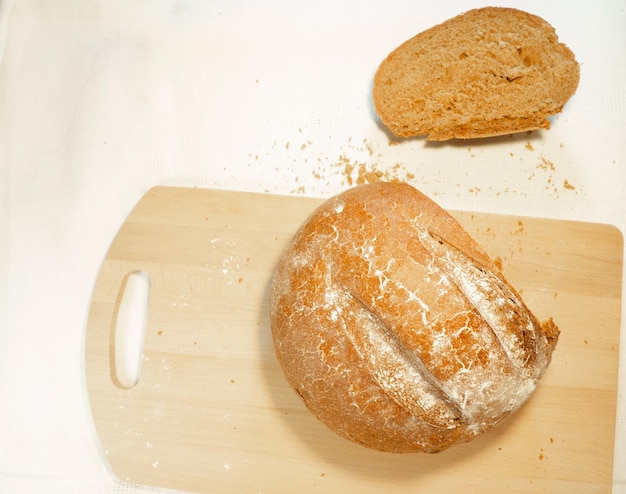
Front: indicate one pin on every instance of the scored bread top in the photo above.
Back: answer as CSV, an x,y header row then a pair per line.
x,y
395,327
486,72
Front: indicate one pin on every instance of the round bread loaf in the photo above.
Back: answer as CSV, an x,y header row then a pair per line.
x,y
396,328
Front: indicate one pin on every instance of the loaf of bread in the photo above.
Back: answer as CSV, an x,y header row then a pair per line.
x,y
487,72
396,329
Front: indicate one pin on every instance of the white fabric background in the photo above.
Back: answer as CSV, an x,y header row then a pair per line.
x,y
99,101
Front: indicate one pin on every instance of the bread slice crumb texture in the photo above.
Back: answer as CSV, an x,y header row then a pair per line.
x,y
486,72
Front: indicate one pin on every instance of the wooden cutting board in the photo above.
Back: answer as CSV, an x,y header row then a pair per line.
x,y
211,411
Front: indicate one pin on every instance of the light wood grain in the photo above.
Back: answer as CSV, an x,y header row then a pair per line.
x,y
212,412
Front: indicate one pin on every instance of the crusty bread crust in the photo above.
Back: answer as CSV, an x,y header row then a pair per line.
x,y
486,72
396,328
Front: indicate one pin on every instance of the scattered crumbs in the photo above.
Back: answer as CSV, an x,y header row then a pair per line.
x,y
520,228
195,343
232,381
499,449
160,332
323,474
556,294
545,164
358,162
359,173
541,456
474,190
586,342
498,262
551,440
568,186
511,154
529,146
240,280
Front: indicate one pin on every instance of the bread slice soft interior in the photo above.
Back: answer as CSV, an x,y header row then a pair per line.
x,y
486,72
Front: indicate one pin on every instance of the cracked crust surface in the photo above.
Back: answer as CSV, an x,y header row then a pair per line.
x,y
486,72
396,329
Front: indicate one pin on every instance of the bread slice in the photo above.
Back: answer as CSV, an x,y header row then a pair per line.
x,y
486,72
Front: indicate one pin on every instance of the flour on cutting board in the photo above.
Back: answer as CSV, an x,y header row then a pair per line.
x,y
229,262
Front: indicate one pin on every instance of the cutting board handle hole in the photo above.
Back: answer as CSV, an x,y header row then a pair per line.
x,y
128,330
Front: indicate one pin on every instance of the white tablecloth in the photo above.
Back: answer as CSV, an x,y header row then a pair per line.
x,y
101,100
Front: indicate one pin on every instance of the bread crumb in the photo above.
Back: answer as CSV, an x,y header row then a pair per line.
x,y
520,228
498,262
529,146
545,164
568,186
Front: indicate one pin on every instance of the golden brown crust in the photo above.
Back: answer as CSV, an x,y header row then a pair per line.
x,y
395,327
489,71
